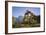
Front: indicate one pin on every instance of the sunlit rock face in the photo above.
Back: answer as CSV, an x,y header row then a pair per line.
x,y
28,17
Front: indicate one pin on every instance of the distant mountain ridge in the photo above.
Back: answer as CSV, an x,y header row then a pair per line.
x,y
18,19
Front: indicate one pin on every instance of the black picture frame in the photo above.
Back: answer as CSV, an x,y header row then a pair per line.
x,y
6,16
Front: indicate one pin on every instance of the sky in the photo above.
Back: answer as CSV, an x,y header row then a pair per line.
x,y
20,11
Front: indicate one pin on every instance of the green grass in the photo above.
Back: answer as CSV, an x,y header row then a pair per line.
x,y
26,25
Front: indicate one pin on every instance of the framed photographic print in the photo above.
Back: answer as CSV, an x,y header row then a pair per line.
x,y
24,17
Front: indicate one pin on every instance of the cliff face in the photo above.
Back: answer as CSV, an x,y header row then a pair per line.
x,y
29,17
